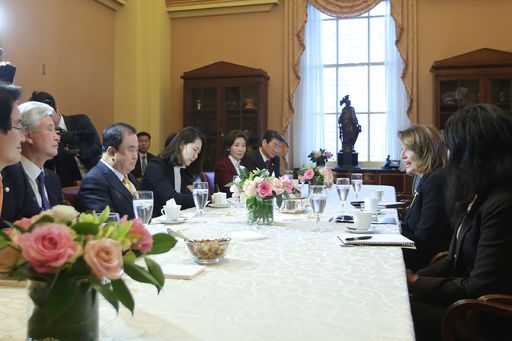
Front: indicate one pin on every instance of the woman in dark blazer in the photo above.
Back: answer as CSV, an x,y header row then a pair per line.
x,y
171,174
229,166
479,200
426,222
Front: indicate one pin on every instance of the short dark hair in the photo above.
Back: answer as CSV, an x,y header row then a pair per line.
x,y
479,140
272,134
232,136
44,97
172,152
143,133
9,94
114,133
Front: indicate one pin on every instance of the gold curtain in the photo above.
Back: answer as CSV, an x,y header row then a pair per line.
x,y
402,11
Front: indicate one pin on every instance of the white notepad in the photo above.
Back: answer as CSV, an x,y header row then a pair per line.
x,y
246,235
393,239
181,271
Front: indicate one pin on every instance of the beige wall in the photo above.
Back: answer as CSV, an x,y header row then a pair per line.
x,y
253,40
451,27
75,41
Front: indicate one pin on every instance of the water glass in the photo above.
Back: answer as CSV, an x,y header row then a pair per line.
x,y
200,195
357,182
235,201
318,200
143,205
113,217
343,188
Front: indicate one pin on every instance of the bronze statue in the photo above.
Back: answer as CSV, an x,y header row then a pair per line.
x,y
348,126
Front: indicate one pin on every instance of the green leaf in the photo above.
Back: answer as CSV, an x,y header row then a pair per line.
x,y
140,274
123,294
61,295
104,215
162,242
86,228
129,257
44,219
155,270
105,292
279,200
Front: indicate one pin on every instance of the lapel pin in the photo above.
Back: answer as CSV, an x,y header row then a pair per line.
x,y
7,189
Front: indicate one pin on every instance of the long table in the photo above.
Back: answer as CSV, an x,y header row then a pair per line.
x,y
296,285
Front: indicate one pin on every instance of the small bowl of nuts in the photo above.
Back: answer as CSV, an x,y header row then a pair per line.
x,y
208,251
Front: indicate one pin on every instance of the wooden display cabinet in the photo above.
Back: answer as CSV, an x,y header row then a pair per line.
x,y
378,176
221,97
481,76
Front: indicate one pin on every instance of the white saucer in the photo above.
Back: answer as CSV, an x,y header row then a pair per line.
x,y
170,222
353,230
218,205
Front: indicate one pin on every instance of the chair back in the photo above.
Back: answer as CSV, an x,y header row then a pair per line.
x,y
210,178
70,194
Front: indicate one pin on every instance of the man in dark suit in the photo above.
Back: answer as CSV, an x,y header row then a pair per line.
x,y
80,147
110,183
29,187
144,155
267,155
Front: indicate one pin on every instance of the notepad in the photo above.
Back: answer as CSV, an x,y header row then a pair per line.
x,y
181,271
394,239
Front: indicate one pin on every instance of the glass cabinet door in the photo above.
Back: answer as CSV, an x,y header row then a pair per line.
x,y
500,93
456,94
242,112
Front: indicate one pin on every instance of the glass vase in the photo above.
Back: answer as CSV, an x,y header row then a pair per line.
x,y
78,323
260,212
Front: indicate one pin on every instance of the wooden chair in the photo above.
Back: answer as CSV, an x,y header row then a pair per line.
x,y
467,313
70,194
210,178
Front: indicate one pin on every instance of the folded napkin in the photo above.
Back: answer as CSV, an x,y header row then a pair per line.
x,y
12,282
181,271
247,235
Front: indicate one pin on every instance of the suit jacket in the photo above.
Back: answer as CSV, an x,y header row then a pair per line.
x,y
137,171
87,141
478,261
426,222
19,197
224,173
101,188
159,178
254,160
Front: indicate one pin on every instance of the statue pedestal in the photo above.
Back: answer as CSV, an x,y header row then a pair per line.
x,y
347,160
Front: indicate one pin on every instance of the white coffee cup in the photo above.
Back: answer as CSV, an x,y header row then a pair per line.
x,y
362,220
371,204
171,212
219,198
378,195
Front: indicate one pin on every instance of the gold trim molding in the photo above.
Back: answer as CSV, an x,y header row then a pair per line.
x,y
200,8
114,4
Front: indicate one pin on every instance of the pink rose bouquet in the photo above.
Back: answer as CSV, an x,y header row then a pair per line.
x,y
259,189
320,156
316,176
64,248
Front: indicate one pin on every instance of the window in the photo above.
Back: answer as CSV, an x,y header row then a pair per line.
x,y
353,58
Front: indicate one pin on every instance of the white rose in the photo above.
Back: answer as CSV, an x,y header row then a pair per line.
x,y
258,179
64,213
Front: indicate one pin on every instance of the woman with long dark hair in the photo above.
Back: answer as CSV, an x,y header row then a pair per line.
x,y
171,174
479,199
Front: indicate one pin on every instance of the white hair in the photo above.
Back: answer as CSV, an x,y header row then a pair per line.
x,y
32,113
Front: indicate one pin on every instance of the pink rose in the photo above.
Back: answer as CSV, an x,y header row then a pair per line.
x,y
264,189
24,223
317,155
328,155
48,247
287,184
145,243
8,257
104,257
309,174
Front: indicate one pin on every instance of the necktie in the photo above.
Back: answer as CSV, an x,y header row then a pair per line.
x,y
143,163
267,164
1,193
45,204
127,183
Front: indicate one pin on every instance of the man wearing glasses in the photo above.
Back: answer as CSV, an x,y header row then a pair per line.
x,y
35,187
267,155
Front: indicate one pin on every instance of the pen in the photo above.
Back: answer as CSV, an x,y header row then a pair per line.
x,y
358,238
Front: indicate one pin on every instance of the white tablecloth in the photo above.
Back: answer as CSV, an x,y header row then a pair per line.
x,y
295,285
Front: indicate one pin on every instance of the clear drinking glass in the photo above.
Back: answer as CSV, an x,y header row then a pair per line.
x,y
289,173
114,217
343,188
143,205
200,195
318,200
357,182
235,201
